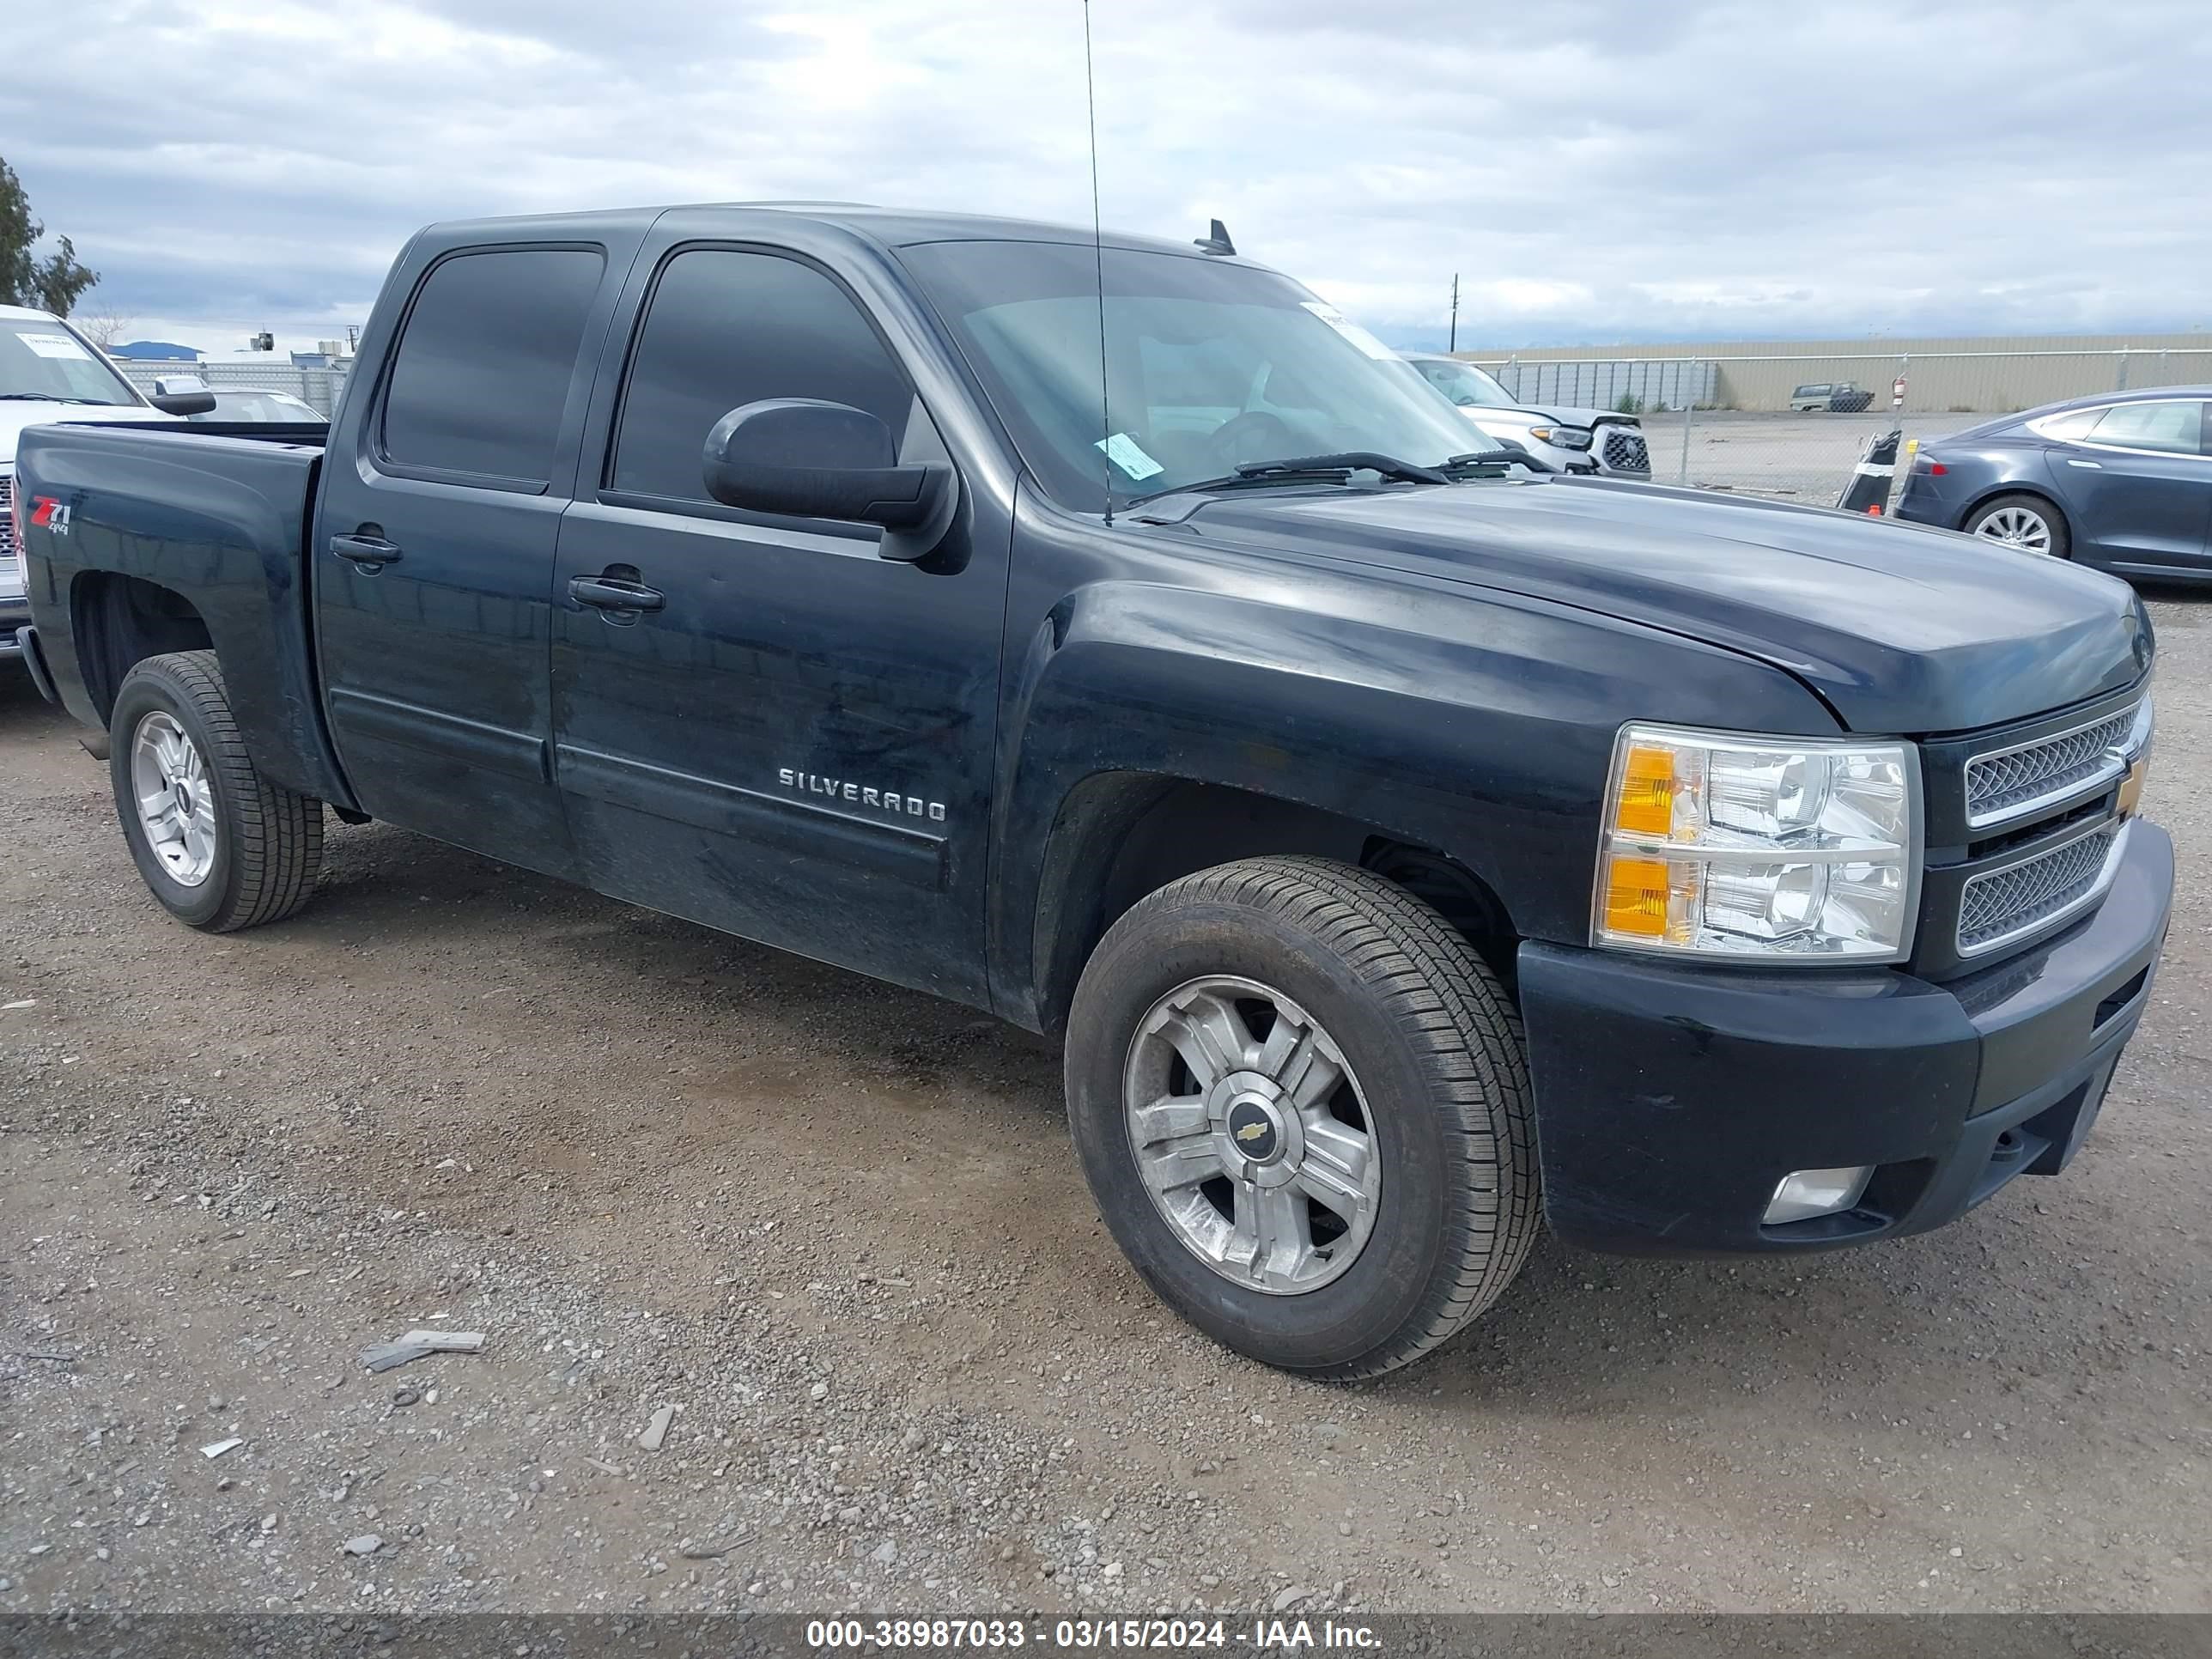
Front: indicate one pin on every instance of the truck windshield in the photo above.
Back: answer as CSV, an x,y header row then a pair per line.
x,y
41,359
1209,366
1466,386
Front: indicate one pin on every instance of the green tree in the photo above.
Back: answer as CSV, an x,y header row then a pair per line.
x,y
51,283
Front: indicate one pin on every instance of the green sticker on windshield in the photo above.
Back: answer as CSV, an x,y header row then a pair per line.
x,y
1123,451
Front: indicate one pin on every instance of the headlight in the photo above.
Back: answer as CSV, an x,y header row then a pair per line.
x,y
1730,845
1566,437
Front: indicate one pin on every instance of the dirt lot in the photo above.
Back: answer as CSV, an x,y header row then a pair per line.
x,y
839,1229
1799,457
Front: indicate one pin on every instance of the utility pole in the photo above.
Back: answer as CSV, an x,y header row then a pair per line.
x,y
1454,346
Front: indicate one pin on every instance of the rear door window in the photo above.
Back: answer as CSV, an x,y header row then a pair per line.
x,y
2176,427
481,379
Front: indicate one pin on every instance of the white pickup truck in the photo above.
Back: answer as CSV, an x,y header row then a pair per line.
x,y
1569,439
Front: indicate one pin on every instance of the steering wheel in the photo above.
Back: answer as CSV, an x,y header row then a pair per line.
x,y
1254,435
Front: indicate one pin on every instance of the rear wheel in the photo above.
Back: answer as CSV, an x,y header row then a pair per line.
x,y
216,842
1302,1102
2025,522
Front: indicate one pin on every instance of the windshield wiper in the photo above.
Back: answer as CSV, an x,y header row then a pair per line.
x,y
1492,463
1336,468
1347,460
44,398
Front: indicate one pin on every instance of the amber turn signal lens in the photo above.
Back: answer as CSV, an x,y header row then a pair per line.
x,y
1636,897
1647,793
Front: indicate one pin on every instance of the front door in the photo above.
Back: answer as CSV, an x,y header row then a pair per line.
x,y
786,736
434,554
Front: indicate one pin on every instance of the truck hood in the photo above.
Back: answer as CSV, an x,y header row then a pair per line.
x,y
1901,629
1570,414
14,416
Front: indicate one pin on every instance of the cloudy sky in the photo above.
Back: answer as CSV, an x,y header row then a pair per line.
x,y
1596,170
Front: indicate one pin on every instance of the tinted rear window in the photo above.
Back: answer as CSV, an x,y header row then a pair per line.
x,y
482,370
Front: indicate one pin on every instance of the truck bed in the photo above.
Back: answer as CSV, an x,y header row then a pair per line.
x,y
219,513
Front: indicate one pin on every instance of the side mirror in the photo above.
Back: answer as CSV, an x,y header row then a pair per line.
x,y
803,459
182,394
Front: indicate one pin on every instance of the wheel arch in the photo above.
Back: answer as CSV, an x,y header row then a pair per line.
x,y
118,621
2039,492
1120,835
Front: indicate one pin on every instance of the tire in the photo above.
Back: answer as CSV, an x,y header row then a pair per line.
x,y
1436,1077
261,845
2024,511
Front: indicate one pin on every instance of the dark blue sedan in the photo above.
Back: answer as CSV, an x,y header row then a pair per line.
x,y
2121,482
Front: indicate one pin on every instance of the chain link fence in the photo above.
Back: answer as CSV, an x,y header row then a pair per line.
x,y
317,387
1793,427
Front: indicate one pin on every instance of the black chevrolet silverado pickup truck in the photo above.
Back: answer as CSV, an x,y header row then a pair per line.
x,y
1412,850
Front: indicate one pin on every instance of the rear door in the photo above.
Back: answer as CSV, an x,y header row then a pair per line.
x,y
434,560
792,738
2138,485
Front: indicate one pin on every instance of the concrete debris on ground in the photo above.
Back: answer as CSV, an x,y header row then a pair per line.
x,y
657,1431
419,1345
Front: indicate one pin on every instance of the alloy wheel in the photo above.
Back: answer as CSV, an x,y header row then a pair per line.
x,y
176,799
1252,1135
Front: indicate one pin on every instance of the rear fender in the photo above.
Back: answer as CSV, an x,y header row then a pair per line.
x,y
221,524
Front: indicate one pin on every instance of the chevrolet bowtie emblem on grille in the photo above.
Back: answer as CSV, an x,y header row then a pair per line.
x,y
2131,786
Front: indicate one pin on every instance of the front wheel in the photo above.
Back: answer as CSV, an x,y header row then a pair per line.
x,y
2025,522
1302,1102
220,846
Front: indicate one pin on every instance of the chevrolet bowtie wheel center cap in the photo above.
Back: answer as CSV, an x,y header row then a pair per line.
x,y
1255,1130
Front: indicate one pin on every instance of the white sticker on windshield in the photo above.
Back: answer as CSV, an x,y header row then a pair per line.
x,y
1351,331
1123,451
55,345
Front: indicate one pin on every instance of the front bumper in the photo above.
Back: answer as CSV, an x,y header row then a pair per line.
x,y
14,613
1671,1100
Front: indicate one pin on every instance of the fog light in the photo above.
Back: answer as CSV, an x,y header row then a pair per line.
x,y
1809,1193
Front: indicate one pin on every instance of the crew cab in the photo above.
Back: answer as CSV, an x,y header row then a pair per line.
x,y
1410,849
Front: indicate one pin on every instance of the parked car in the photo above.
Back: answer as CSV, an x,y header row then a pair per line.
x,y
1834,398
1408,850
50,372
1569,438
280,407
2122,482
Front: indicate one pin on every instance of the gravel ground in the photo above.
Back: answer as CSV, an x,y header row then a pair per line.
x,y
837,1228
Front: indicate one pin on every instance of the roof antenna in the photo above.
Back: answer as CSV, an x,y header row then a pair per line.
x,y
1216,241
1098,257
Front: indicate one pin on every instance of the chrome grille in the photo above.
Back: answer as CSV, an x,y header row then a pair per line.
x,y
1625,450
2014,783
11,556
2001,905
